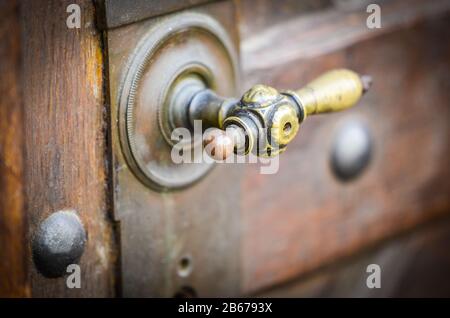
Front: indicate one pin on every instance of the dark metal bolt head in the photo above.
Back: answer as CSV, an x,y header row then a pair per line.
x,y
352,150
58,242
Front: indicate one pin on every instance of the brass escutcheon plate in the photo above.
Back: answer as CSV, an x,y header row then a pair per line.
x,y
193,48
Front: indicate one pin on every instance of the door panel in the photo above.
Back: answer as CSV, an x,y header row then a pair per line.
x,y
304,217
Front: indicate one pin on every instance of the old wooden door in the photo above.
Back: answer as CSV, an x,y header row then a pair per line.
x,y
80,132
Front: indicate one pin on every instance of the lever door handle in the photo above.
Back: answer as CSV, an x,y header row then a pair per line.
x,y
264,121
174,107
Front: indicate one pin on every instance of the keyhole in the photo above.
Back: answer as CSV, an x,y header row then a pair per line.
x,y
287,128
185,266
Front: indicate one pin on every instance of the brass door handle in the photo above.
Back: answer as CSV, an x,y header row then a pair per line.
x,y
171,113
264,121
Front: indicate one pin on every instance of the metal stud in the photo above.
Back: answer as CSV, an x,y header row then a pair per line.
x,y
352,150
58,242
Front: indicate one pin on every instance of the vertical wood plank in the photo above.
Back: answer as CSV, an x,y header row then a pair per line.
x,y
13,240
66,137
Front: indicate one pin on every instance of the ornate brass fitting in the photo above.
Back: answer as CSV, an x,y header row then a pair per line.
x,y
264,121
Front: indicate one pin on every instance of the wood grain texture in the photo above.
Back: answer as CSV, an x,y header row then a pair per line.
x,y
66,138
303,217
120,12
305,32
13,228
416,264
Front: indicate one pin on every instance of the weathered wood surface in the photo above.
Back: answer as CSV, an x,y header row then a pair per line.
x,y
66,138
13,232
413,265
293,222
294,31
303,217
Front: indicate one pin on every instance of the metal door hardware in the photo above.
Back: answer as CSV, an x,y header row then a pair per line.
x,y
351,151
59,242
262,122
174,60
265,121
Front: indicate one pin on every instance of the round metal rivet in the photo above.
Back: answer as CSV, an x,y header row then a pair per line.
x,y
352,150
59,242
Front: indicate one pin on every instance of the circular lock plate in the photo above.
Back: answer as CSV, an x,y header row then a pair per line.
x,y
179,51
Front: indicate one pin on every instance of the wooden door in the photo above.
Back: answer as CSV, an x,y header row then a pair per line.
x,y
302,231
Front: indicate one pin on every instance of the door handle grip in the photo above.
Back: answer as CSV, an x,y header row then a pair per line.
x,y
333,91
